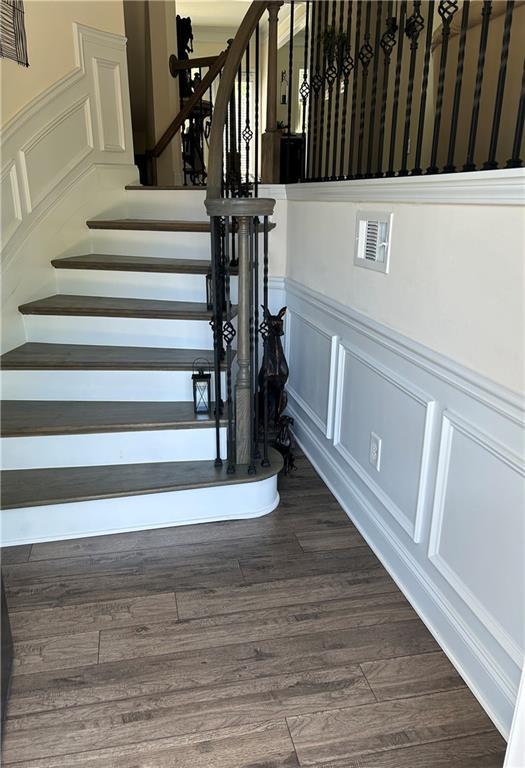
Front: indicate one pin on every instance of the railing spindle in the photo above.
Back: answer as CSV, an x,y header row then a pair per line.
x,y
418,170
397,84
264,330
331,75
257,55
229,334
515,161
486,12
304,90
491,163
366,55
309,139
317,82
354,90
290,69
247,133
348,65
216,324
414,26
324,67
371,125
339,57
450,167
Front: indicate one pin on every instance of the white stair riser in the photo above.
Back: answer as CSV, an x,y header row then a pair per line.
x,y
166,204
135,285
165,386
109,448
176,245
119,331
157,510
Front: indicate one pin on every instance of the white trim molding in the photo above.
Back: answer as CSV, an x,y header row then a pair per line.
x,y
500,187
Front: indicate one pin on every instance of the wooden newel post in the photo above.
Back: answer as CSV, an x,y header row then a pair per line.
x,y
271,138
244,210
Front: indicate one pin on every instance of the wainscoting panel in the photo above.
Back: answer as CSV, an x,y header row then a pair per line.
x,y
474,473
311,386
11,207
372,399
109,105
445,512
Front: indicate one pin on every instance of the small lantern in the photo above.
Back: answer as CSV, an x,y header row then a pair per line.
x,y
201,386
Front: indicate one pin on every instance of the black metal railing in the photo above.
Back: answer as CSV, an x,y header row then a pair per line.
x,y
398,88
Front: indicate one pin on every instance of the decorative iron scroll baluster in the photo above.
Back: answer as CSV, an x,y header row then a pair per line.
x,y
354,90
413,28
216,324
239,130
371,126
515,161
255,334
317,82
491,163
323,99
264,330
290,68
417,170
348,65
365,56
395,105
257,55
341,45
331,75
247,133
252,435
304,90
486,12
311,127
229,334
450,167
446,10
388,41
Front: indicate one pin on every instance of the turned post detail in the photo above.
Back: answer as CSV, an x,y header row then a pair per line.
x,y
271,138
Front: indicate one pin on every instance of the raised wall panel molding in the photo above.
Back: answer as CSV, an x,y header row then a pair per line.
x,y
108,105
324,422
452,424
11,206
414,530
499,187
489,393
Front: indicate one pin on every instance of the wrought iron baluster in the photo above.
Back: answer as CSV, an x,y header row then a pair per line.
x,y
417,170
229,334
414,26
371,125
339,55
239,131
491,163
323,99
486,12
251,466
247,134
257,55
216,324
365,56
388,42
446,11
450,167
515,161
309,153
354,90
348,65
331,75
317,82
264,331
304,90
290,68
397,84
255,371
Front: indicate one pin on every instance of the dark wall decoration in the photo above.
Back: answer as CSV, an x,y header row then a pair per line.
x,y
13,43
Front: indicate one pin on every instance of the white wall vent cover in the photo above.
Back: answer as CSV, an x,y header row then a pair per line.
x,y
372,240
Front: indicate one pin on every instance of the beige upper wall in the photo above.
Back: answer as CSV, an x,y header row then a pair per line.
x,y
50,44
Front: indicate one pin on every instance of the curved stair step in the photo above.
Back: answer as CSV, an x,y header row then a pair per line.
x,y
22,418
95,357
150,225
105,306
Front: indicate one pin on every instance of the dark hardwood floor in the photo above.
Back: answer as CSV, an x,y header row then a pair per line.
x,y
270,643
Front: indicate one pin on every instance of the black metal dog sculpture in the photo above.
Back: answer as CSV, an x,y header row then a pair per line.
x,y
284,443
276,368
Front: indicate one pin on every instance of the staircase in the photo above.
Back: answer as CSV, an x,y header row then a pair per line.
x,y
98,432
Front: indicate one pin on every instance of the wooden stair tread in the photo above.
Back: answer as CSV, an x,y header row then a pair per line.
x,y
133,264
150,225
40,487
107,306
94,357
172,188
54,417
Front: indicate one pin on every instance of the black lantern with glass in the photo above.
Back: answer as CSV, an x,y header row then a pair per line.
x,y
201,378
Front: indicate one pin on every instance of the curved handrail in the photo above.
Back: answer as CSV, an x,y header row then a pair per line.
x,y
235,54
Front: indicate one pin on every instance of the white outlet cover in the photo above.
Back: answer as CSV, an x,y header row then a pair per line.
x,y
374,455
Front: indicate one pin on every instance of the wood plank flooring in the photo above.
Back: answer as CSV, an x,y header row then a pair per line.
x,y
271,643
